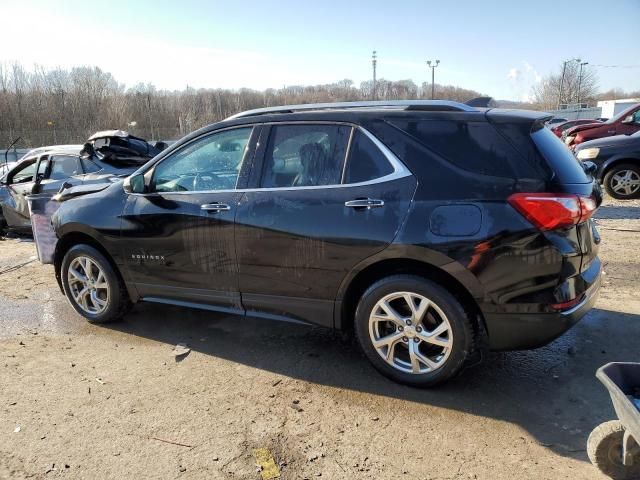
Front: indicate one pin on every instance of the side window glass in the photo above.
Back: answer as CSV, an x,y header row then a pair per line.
x,y
473,146
209,163
305,155
89,166
366,161
25,174
64,166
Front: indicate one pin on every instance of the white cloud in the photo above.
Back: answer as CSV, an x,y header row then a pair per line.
x,y
514,74
532,71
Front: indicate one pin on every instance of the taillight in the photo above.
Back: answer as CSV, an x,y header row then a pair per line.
x,y
548,211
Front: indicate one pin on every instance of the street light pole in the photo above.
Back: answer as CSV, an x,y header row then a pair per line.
x,y
374,62
433,76
580,82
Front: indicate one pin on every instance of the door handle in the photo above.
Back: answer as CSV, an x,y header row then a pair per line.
x,y
367,203
215,207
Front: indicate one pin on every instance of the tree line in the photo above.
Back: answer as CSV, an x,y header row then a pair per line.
x,y
66,106
43,106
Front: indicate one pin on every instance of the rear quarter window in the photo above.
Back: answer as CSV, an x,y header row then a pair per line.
x,y
566,168
473,146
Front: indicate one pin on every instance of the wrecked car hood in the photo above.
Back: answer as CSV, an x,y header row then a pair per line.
x,y
94,184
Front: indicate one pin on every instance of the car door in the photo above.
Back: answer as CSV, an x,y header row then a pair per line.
x,y
59,169
20,182
178,238
310,217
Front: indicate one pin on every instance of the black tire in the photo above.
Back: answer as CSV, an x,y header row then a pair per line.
x,y
610,180
118,303
458,319
604,448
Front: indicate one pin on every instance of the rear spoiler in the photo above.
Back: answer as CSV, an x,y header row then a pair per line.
x,y
481,102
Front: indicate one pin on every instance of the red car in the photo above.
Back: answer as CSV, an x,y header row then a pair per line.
x,y
562,127
625,123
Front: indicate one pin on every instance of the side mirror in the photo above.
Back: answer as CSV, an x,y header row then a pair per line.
x,y
628,119
589,168
134,184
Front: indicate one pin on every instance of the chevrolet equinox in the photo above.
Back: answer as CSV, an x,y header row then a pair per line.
x,y
429,228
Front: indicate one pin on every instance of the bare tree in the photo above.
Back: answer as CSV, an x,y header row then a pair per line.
x,y
574,87
82,100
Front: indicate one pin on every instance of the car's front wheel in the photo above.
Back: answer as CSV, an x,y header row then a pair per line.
x,y
92,286
413,330
623,181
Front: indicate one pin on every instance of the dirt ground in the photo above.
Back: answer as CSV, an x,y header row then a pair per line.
x,y
82,401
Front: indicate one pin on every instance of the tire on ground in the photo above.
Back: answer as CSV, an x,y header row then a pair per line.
x,y
604,448
118,302
608,179
459,319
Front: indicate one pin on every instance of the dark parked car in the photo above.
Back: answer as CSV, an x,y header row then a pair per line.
x,y
618,161
46,170
625,123
431,228
560,128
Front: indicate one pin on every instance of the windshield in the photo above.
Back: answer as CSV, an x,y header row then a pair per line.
x,y
622,114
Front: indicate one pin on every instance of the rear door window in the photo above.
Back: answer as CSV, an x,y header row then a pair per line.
x,y
366,162
473,146
305,155
566,167
64,166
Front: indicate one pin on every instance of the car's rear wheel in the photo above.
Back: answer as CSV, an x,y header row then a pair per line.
x,y
413,331
623,181
92,286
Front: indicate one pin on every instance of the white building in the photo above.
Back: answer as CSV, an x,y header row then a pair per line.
x,y
611,108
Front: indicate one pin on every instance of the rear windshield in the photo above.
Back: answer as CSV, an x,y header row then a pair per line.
x,y
566,167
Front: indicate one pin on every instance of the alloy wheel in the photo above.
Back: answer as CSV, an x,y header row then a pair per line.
x,y
625,182
88,285
410,332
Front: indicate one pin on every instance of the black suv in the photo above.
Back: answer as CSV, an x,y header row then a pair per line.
x,y
430,228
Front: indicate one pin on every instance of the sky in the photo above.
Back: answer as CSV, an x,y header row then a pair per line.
x,y
499,48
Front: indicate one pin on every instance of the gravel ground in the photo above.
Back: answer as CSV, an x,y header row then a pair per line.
x,y
81,401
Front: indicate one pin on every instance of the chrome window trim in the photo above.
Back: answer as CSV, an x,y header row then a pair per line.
x,y
399,169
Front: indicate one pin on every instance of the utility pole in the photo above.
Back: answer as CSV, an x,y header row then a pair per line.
x,y
150,119
374,62
580,82
564,70
433,76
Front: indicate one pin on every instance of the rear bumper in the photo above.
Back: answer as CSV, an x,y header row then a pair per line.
x,y
523,331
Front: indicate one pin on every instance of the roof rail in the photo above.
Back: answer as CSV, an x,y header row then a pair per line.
x,y
426,105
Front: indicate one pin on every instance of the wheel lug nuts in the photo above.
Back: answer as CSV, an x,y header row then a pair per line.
x,y
405,339
418,329
408,322
416,339
400,329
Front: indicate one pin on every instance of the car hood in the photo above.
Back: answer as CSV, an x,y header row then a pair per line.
x,y
612,142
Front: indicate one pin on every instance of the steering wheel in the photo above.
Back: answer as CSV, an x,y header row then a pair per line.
x,y
206,181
